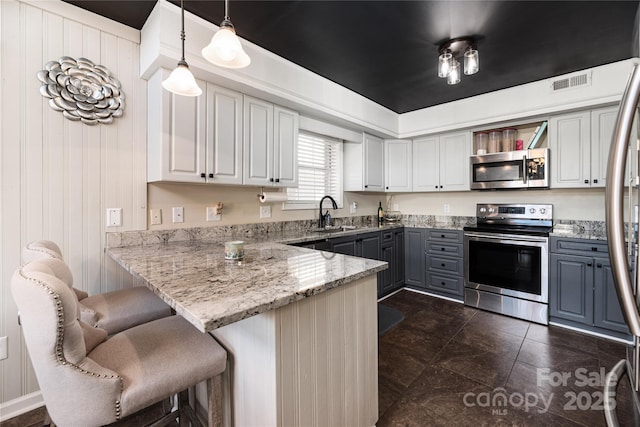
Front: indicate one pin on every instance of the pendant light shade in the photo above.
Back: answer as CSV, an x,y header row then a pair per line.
x,y
225,49
181,81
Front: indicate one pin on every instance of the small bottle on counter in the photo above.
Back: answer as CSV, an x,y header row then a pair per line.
x,y
380,214
327,219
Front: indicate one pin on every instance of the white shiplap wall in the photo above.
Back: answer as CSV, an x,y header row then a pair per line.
x,y
57,177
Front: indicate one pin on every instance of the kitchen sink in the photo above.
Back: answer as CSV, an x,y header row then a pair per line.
x,y
334,229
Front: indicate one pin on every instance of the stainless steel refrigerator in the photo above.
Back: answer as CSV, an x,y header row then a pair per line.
x,y
621,201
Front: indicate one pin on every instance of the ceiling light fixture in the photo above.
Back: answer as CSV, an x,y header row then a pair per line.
x,y
225,49
450,52
181,81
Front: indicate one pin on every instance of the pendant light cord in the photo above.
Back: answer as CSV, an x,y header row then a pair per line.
x,y
182,37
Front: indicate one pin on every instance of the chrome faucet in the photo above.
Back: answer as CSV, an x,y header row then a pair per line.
x,y
321,217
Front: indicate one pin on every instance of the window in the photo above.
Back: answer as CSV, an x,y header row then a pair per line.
x,y
319,171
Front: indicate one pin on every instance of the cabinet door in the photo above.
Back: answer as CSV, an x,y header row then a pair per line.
x,y
414,257
258,142
454,161
398,165
369,246
176,134
385,277
224,136
570,144
398,261
607,311
285,146
426,164
344,246
603,121
571,288
373,163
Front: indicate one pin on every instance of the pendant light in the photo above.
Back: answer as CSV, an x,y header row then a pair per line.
x,y
225,49
181,81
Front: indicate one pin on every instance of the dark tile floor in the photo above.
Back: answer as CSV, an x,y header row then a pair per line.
x,y
450,365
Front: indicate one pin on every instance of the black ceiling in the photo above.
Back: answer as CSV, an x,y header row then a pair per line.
x,y
387,51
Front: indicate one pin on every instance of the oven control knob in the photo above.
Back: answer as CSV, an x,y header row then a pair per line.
x,y
491,210
542,210
483,210
532,210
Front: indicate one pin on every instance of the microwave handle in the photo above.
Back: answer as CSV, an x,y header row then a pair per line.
x,y
525,173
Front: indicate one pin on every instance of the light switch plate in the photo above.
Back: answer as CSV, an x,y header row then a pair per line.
x,y
212,214
114,217
156,216
265,211
178,214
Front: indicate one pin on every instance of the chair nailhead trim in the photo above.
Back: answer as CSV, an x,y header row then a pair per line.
x,y
60,338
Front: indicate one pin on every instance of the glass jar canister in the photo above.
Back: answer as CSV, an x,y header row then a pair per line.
x,y
482,143
509,139
495,138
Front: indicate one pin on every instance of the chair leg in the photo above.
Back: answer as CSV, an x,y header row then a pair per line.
x,y
214,389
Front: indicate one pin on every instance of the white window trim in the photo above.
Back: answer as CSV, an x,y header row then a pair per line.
x,y
340,199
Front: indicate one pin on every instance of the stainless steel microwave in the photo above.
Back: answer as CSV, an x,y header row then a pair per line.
x,y
512,169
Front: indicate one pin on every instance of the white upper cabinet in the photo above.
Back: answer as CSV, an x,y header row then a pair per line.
x,y
398,165
579,144
364,164
441,163
224,136
176,132
270,144
194,139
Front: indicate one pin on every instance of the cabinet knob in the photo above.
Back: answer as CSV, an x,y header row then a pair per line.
x,y
277,179
442,283
442,249
366,186
386,188
595,181
441,186
599,265
586,181
594,249
270,179
202,175
210,175
442,265
589,264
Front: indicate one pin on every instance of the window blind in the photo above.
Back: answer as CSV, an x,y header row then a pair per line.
x,y
319,171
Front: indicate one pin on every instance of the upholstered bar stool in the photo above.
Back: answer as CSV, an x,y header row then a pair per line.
x,y
113,311
88,379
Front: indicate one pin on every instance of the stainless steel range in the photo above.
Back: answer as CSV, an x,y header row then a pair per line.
x,y
506,260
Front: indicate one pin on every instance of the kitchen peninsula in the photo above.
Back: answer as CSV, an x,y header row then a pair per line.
x,y
300,325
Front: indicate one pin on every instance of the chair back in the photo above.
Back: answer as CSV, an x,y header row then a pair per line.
x,y
39,249
76,390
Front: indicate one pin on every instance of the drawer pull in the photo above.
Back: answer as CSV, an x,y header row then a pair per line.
x,y
594,249
442,249
442,283
442,264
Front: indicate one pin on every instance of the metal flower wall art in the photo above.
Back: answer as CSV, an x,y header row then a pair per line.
x,y
82,90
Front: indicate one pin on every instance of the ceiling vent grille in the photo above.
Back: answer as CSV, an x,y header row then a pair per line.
x,y
572,81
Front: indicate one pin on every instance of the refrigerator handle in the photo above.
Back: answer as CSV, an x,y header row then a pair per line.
x,y
614,200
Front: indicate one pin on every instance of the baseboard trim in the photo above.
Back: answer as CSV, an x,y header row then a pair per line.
x,y
20,405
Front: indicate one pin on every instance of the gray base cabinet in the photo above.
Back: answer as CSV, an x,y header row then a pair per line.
x,y
433,261
581,289
387,245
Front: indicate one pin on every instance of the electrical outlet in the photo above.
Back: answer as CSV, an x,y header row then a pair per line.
x,y
395,207
353,207
178,214
114,217
265,211
447,208
156,216
212,213
4,351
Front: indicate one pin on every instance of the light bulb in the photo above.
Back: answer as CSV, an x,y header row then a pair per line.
x,y
471,61
444,63
454,73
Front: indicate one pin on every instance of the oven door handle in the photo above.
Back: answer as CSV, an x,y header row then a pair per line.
x,y
502,237
525,172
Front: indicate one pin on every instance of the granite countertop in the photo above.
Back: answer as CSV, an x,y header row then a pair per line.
x,y
194,278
